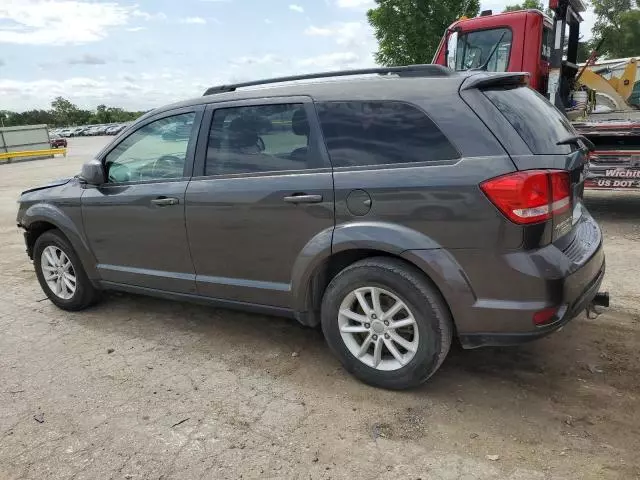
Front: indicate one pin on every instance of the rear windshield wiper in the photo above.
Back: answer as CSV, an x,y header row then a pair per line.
x,y
576,139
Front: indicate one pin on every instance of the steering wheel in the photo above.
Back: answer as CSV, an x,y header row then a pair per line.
x,y
166,166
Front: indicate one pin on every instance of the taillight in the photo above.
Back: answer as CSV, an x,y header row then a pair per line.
x,y
530,196
544,316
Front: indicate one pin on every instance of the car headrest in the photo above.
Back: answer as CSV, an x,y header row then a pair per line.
x,y
242,133
299,122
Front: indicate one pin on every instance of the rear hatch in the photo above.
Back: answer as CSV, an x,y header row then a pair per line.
x,y
554,147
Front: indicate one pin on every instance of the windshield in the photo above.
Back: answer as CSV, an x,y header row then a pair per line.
x,y
474,48
539,123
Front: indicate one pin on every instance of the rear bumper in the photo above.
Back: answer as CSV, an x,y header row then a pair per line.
x,y
493,296
475,340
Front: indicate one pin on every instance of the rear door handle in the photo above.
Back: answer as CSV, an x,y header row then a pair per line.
x,y
302,198
165,201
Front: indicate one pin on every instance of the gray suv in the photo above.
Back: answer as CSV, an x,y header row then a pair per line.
x,y
398,208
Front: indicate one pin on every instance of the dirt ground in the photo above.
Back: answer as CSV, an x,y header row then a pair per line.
x,y
192,392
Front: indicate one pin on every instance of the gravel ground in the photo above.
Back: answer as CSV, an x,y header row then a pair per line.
x,y
144,388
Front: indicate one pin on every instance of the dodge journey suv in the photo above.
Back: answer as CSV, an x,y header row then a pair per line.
x,y
397,208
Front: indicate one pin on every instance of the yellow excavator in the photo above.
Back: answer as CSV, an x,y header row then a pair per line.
x,y
609,91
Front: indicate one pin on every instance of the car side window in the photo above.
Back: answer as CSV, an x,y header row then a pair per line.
x,y
260,138
156,151
379,133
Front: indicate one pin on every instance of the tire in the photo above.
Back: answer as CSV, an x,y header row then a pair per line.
x,y
430,333
84,293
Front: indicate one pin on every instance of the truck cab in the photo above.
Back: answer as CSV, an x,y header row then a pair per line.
x,y
515,37
547,49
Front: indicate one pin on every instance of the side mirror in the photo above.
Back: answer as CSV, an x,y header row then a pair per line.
x,y
93,172
452,46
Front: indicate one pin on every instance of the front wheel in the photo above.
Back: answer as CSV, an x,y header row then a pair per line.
x,y
386,322
60,272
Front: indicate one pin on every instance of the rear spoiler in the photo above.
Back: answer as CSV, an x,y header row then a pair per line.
x,y
487,80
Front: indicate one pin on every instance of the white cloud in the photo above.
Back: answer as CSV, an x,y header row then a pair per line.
x,y
355,41
59,22
318,31
139,91
161,16
359,4
296,8
331,61
136,29
268,21
194,20
347,34
269,58
87,59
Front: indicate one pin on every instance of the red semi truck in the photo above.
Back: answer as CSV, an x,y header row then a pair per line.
x,y
546,48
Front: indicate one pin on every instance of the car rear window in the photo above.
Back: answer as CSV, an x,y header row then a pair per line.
x,y
360,133
539,123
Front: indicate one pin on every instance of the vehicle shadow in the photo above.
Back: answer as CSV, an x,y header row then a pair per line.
x,y
267,345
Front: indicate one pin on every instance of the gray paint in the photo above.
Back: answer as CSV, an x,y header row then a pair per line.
x,y
233,240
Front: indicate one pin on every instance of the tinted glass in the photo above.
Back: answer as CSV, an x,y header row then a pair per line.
x,y
156,151
475,48
539,123
262,138
378,133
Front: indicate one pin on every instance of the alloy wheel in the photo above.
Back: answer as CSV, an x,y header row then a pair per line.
x,y
378,328
58,272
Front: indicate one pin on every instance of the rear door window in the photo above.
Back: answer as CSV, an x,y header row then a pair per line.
x,y
539,123
379,133
260,138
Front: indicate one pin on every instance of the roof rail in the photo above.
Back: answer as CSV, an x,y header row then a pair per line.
x,y
425,70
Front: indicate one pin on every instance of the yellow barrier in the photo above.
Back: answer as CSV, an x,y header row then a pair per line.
x,y
33,153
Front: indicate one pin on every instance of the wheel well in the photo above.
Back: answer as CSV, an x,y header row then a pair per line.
x,y
334,265
34,231
327,271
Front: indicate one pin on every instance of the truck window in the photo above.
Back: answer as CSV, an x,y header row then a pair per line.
x,y
474,48
547,41
539,123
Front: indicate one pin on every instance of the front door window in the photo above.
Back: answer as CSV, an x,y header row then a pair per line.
x,y
156,151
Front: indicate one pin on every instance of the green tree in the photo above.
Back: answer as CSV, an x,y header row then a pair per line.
x,y
409,31
64,111
527,4
618,22
584,50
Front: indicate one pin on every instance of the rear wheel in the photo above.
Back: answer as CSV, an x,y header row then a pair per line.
x,y
60,272
386,322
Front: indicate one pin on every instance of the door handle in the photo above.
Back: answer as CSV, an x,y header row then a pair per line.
x,y
303,198
165,201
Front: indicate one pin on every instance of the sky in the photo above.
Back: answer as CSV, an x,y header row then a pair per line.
x,y
140,54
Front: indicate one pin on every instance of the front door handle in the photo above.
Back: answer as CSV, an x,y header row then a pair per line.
x,y
303,198
165,201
